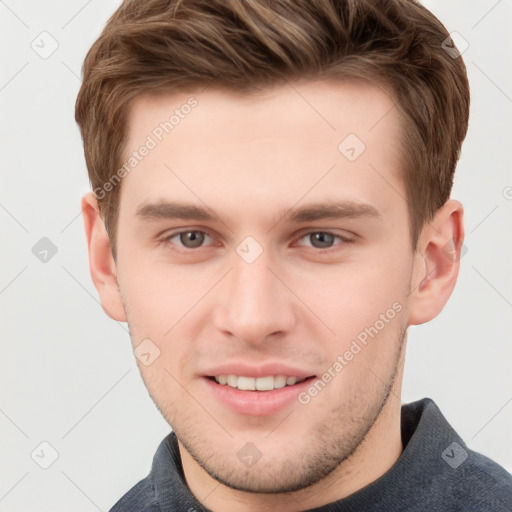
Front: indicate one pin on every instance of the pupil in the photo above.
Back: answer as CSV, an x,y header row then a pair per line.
x,y
322,240
192,239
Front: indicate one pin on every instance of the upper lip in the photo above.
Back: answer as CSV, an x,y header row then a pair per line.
x,y
262,370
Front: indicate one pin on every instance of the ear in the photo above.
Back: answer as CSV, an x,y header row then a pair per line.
x,y
101,262
436,264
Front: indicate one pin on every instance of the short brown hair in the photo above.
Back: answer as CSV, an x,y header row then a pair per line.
x,y
154,46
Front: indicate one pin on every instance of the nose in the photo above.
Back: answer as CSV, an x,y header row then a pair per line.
x,y
253,305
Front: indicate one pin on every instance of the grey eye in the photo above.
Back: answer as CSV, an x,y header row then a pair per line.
x,y
192,239
322,240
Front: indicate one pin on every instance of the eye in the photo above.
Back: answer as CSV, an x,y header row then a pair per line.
x,y
321,239
190,239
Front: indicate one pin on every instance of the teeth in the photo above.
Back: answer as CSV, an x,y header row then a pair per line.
x,y
260,383
279,381
246,383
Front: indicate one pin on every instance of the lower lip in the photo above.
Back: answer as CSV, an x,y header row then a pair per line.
x,y
256,403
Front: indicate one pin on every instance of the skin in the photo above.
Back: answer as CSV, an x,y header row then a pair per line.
x,y
249,159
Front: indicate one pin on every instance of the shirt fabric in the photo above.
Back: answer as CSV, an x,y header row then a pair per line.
x,y
436,472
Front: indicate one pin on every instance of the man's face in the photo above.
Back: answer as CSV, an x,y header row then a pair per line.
x,y
284,249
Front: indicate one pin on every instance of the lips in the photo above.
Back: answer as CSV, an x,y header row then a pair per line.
x,y
263,370
256,390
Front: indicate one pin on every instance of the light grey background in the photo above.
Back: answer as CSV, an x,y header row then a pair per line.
x,y
68,376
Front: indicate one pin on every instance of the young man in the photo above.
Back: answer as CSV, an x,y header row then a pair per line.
x,y
270,212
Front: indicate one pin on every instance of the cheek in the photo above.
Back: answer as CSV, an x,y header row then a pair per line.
x,y
352,296
162,304
158,295
369,315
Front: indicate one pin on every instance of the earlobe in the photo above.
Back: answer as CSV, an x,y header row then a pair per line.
x,y
101,262
436,264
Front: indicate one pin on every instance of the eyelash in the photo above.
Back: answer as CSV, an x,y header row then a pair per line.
x,y
341,240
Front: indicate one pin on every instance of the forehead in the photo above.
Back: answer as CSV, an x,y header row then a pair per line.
x,y
336,138
324,108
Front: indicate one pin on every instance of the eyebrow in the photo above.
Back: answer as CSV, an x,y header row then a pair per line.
x,y
308,213
342,210
167,210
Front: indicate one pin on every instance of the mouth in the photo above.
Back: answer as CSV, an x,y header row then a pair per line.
x,y
256,396
267,383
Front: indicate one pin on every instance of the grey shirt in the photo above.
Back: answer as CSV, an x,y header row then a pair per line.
x,y
435,472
